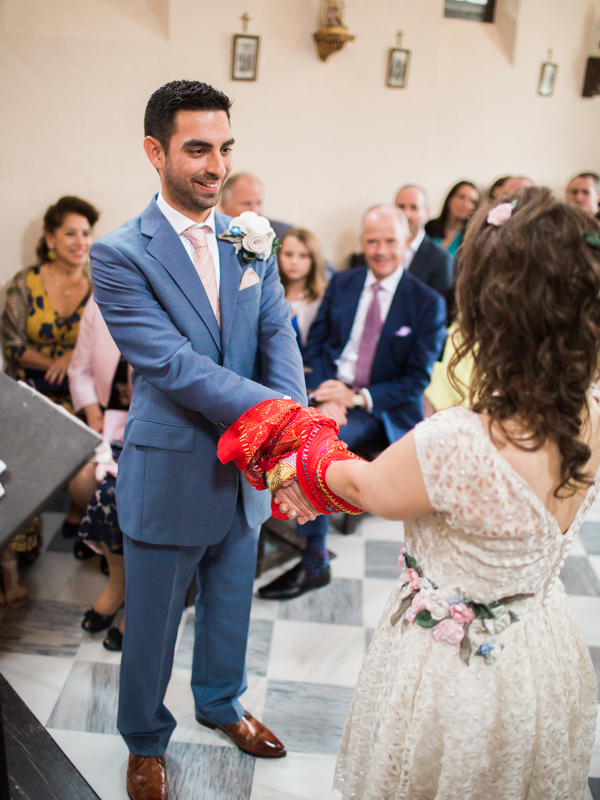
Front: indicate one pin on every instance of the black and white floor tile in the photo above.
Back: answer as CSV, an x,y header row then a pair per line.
x,y
303,660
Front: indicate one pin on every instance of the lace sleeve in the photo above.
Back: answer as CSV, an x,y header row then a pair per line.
x,y
460,471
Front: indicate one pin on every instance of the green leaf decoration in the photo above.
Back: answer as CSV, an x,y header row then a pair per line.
x,y
425,620
397,615
482,610
275,245
513,598
411,563
229,237
248,257
592,238
465,647
513,617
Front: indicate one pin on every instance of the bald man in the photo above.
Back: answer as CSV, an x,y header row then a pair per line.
x,y
244,192
369,353
584,191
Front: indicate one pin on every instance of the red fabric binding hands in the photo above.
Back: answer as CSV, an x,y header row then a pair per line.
x,y
274,429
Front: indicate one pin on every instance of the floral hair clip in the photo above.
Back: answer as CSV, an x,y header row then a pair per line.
x,y
592,238
501,213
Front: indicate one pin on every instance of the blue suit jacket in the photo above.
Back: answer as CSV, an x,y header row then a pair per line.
x,y
402,365
190,380
433,265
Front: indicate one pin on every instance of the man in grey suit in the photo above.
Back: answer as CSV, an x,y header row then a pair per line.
x,y
208,337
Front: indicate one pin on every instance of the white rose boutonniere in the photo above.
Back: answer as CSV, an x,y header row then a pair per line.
x,y
253,235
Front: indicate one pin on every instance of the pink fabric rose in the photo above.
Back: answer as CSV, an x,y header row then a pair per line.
x,y
418,604
461,613
500,214
413,578
448,630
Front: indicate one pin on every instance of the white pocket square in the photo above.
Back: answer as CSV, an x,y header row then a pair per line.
x,y
249,278
403,331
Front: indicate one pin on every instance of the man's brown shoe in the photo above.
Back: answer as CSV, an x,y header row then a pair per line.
x,y
147,778
251,736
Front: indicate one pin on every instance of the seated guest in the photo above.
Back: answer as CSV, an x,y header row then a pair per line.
x,y
424,259
460,204
584,191
101,390
302,273
370,352
44,304
496,187
513,183
244,192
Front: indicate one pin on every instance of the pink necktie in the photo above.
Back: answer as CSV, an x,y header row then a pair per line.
x,y
368,342
205,266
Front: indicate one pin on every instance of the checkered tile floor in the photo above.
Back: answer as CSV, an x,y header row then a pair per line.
x,y
303,660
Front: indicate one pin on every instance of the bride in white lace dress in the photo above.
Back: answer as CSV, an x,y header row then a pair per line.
x,y
478,684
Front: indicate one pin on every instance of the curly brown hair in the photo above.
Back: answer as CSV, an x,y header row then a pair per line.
x,y
528,294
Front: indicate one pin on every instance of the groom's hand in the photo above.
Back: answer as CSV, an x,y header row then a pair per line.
x,y
292,501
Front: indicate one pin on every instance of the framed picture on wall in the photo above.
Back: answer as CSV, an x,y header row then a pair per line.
x,y
476,10
244,64
398,68
547,79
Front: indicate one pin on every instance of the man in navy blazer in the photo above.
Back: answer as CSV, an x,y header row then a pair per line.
x,y
426,260
390,401
205,346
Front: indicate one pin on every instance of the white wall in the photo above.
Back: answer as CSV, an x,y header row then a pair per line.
x,y
328,139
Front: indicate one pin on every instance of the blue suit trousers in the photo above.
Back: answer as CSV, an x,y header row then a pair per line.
x,y
158,577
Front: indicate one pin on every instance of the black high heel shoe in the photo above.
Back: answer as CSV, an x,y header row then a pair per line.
x,y
81,551
94,623
113,640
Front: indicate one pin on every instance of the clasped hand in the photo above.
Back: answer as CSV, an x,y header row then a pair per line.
x,y
333,397
292,501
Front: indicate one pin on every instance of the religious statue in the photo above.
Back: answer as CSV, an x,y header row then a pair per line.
x,y
332,34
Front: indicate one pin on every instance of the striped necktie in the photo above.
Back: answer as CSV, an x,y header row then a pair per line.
x,y
205,266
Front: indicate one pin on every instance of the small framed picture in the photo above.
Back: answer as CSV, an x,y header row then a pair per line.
x,y
398,68
244,64
547,79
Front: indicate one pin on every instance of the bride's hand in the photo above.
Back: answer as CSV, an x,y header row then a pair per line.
x,y
293,502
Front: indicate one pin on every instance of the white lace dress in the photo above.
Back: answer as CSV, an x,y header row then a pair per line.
x,y
515,723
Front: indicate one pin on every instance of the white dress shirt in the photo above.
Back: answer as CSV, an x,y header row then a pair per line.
x,y
181,223
412,248
346,363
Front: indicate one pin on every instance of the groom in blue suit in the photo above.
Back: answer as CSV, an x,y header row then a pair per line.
x,y
208,337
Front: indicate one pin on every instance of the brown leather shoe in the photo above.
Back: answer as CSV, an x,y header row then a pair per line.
x,y
147,778
251,736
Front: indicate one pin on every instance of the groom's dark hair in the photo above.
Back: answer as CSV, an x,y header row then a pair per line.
x,y
159,119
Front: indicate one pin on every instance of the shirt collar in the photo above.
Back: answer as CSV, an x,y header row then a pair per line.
x,y
389,284
416,242
179,221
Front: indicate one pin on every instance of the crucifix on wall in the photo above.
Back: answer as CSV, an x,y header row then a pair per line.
x,y
244,64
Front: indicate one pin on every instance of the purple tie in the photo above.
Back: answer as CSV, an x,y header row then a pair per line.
x,y
368,342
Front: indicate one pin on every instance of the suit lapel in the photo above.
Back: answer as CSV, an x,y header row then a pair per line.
x,y
352,294
231,275
166,247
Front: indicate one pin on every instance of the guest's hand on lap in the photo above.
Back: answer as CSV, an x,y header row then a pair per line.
x,y
334,410
336,391
57,371
292,501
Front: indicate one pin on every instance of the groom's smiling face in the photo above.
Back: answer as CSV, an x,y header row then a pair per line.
x,y
197,162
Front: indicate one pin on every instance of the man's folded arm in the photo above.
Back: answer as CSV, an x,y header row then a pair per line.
x,y
152,344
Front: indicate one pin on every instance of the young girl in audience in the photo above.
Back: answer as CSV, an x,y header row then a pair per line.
x,y
302,272
460,204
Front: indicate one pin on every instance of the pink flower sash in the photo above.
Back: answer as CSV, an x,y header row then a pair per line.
x,y
451,618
